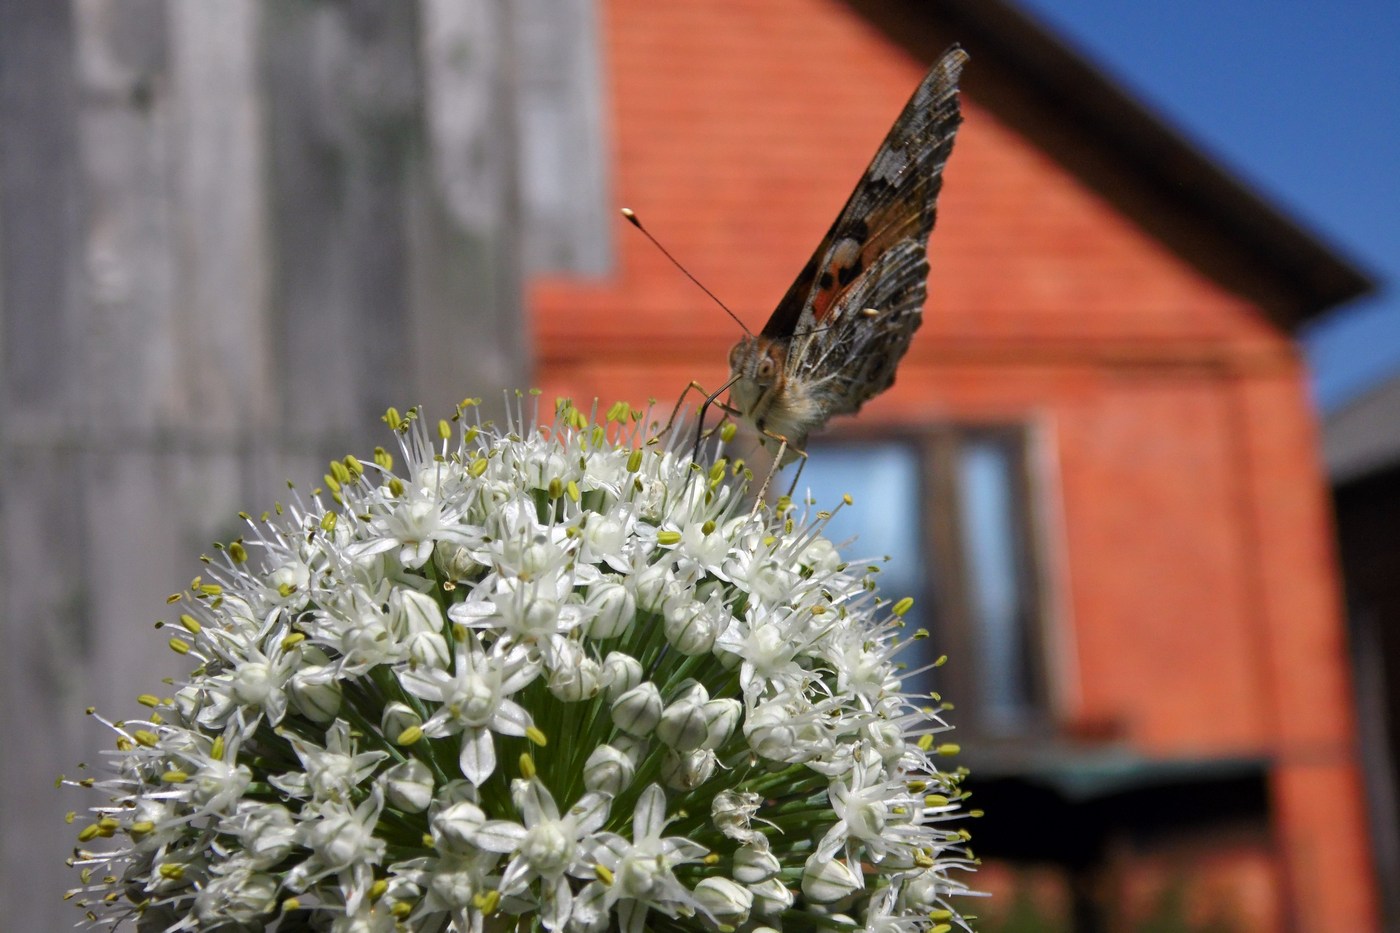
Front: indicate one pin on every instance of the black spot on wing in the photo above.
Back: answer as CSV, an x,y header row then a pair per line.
x,y
847,274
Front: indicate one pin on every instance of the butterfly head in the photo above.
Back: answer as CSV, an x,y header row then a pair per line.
x,y
756,368
765,394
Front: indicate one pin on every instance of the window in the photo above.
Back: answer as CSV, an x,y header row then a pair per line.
x,y
953,506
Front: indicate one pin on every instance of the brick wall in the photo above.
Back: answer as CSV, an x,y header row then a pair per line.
x,y
1197,589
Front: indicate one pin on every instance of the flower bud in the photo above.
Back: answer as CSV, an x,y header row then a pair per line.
x,y
655,586
409,786
621,672
691,627
396,718
638,710
315,692
608,770
455,829
455,561
575,676
683,726
613,608
770,897
728,901
269,833
429,649
827,880
686,771
411,612
454,792
721,716
755,864
769,734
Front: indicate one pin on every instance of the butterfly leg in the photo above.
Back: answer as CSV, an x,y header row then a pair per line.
x,y
784,447
802,465
711,398
675,412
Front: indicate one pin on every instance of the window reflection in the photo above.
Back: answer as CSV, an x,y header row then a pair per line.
x,y
950,506
987,474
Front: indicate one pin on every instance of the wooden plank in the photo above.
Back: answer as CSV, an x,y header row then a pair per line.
x,y
568,219
468,326
225,380
230,235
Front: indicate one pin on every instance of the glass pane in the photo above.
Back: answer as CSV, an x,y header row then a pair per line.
x,y
987,475
883,479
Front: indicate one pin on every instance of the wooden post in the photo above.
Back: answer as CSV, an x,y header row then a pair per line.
x,y
230,235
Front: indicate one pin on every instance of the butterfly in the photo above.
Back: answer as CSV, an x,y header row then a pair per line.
x,y
835,339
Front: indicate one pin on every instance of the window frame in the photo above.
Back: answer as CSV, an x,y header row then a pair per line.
x,y
946,573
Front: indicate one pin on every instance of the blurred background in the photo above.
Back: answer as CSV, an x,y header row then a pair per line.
x,y
1159,547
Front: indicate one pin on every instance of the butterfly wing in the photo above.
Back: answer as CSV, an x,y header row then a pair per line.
x,y
874,256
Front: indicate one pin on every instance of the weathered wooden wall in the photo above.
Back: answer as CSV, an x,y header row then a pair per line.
x,y
231,234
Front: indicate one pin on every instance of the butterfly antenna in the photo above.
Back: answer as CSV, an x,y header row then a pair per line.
x,y
632,219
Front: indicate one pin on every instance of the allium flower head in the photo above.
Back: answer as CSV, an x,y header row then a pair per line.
x,y
547,676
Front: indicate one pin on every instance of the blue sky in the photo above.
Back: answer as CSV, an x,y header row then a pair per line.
x,y
1301,100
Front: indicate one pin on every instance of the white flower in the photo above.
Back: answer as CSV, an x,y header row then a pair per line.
x,y
827,880
409,786
475,701
462,693
550,845
638,876
727,901
341,841
330,773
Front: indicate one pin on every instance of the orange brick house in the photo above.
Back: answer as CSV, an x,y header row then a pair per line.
x,y
1098,463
